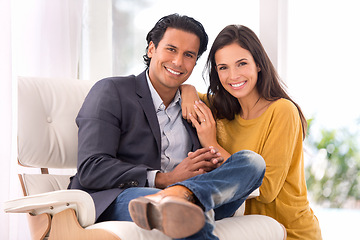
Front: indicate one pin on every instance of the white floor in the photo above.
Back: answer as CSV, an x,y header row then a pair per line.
x,y
338,223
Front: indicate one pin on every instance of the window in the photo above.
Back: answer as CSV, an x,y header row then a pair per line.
x,y
323,60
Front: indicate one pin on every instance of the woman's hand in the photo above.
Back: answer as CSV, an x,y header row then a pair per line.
x,y
188,97
205,124
206,128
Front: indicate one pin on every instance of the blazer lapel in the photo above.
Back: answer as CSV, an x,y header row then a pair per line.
x,y
142,90
145,99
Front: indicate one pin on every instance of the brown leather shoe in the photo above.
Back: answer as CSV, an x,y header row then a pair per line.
x,y
171,211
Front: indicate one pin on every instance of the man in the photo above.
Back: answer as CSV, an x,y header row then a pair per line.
x,y
133,142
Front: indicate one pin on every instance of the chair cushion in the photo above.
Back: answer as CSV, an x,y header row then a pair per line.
x,y
47,133
247,227
43,183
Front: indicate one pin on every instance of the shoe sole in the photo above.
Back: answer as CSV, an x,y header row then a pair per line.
x,y
175,219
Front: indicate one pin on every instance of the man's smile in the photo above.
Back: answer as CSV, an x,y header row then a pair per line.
x,y
172,71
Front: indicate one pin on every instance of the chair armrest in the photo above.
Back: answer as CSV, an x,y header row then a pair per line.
x,y
55,202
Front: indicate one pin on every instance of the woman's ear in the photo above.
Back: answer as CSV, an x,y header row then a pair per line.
x,y
258,68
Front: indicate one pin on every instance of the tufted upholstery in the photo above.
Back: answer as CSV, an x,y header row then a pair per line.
x,y
47,133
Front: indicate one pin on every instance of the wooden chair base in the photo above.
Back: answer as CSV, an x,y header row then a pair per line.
x,y
39,225
65,225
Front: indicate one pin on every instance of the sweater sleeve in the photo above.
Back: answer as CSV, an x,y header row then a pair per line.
x,y
284,139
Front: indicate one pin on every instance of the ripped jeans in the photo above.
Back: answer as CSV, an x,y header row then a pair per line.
x,y
221,191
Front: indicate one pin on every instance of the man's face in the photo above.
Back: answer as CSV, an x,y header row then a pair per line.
x,y
173,60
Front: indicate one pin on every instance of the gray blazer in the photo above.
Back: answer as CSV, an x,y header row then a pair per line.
x,y
119,139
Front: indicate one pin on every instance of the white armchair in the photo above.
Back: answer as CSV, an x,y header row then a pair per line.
x,y
47,138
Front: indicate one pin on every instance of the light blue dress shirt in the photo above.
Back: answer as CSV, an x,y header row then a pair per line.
x,y
175,140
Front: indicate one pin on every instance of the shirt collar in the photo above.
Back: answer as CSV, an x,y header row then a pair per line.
x,y
158,102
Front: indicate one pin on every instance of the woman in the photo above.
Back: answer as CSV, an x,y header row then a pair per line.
x,y
254,112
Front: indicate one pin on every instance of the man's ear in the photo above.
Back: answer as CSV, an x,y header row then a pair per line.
x,y
151,49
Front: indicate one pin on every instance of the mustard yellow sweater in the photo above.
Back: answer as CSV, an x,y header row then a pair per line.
x,y
277,136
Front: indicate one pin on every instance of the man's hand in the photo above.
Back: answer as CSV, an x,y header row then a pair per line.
x,y
201,161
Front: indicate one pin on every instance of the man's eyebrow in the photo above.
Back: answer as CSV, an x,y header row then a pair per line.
x,y
170,45
190,52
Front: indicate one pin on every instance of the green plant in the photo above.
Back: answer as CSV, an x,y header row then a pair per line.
x,y
333,175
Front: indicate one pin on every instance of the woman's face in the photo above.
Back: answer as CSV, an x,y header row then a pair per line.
x,y
237,71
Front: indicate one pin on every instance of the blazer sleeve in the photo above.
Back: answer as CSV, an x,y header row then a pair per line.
x,y
99,137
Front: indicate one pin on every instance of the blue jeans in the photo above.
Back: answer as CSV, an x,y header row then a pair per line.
x,y
220,191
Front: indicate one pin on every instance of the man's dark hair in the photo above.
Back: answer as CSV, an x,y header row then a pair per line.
x,y
180,22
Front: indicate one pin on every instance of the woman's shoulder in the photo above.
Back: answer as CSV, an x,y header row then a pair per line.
x,y
284,107
203,97
283,104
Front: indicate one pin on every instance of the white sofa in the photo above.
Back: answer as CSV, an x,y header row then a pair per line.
x,y
47,139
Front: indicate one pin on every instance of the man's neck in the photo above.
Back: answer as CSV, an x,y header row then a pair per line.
x,y
166,94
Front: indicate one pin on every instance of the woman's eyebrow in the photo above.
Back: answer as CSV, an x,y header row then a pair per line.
x,y
240,60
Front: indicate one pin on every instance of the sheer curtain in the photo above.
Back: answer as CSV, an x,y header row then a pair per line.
x,y
47,36
5,112
39,38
